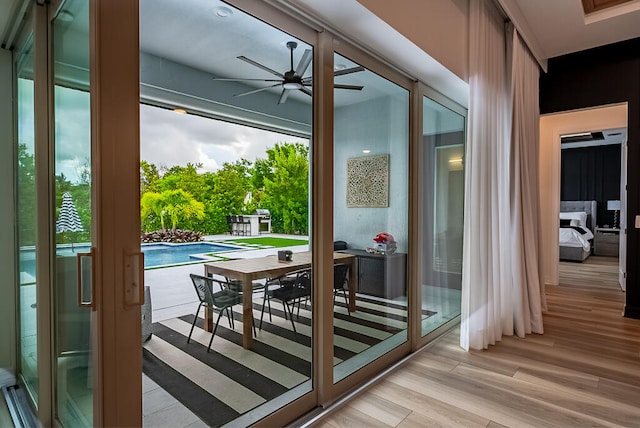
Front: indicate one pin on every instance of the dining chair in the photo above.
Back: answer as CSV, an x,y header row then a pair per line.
x,y
234,224
290,290
229,225
341,283
222,300
244,225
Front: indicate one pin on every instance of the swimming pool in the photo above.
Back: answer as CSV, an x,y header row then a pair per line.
x,y
170,254
158,254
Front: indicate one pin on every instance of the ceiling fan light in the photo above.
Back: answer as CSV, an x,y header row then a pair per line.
x,y
292,85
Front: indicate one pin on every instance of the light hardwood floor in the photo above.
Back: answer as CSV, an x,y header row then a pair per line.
x,y
583,371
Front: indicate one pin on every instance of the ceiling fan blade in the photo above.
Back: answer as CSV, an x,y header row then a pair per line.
x,y
307,56
239,79
283,96
354,87
263,67
348,71
306,91
256,90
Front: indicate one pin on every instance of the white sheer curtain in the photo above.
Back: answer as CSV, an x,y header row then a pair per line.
x,y
500,277
528,287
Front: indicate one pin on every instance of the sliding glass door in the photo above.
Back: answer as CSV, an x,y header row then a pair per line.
x,y
442,184
370,215
78,316
72,280
26,220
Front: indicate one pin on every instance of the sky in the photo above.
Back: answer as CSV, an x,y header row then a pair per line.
x,y
168,138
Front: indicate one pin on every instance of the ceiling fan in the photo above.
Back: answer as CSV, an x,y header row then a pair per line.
x,y
291,80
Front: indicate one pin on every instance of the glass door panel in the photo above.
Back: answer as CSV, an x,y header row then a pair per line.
x,y
371,158
72,191
443,174
259,80
26,223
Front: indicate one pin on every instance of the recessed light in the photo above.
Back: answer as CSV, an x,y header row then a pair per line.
x,y
180,110
339,67
365,151
223,12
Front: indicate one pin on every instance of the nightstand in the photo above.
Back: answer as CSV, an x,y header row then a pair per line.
x,y
606,242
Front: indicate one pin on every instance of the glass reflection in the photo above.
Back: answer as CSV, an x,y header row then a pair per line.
x,y
371,141
443,172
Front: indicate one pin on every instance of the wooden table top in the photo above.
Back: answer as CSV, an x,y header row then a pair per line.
x,y
268,266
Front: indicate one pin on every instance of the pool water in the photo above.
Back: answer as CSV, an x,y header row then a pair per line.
x,y
168,254
160,254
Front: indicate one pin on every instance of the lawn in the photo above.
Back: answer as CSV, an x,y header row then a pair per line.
x,y
268,241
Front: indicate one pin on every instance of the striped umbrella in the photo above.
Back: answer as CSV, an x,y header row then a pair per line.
x,y
68,220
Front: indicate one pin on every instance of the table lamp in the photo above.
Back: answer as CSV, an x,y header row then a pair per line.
x,y
615,207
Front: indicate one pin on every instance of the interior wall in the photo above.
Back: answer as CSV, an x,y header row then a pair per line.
x,y
592,173
552,126
7,222
439,27
604,76
381,126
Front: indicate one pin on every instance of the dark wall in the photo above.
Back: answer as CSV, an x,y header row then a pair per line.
x,y
596,77
592,173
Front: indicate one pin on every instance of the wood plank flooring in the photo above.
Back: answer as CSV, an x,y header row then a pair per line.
x,y
583,371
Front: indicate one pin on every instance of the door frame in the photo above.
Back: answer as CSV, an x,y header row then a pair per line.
x,y
115,89
552,126
116,317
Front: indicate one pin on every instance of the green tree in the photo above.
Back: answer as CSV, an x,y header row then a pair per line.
x,y
229,188
149,177
151,211
287,189
180,205
176,204
26,200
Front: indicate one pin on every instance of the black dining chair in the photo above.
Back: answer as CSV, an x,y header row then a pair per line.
x,y
221,300
229,225
244,225
290,290
341,283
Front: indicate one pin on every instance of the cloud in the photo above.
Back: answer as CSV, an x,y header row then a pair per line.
x,y
168,138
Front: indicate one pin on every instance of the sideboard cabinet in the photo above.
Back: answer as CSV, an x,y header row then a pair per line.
x,y
381,275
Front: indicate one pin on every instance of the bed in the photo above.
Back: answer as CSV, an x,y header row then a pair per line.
x,y
578,219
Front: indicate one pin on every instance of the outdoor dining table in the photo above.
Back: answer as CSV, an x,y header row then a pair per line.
x,y
248,270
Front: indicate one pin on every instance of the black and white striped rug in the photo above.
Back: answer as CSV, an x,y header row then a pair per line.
x,y
228,381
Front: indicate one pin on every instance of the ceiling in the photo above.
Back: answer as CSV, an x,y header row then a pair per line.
x,y
558,27
555,27
201,45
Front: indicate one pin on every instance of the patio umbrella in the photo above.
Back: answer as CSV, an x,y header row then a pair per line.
x,y
68,220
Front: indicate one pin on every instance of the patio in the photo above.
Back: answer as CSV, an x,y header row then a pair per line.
x,y
239,386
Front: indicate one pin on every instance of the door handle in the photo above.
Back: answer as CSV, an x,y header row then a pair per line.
x,y
80,258
133,279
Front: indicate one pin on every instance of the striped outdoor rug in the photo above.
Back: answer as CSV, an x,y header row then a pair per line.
x,y
225,383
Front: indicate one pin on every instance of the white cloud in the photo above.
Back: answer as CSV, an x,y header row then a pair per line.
x,y
168,138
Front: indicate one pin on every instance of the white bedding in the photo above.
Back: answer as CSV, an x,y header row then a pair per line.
x,y
572,238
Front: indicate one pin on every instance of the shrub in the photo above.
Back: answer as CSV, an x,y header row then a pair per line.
x,y
177,235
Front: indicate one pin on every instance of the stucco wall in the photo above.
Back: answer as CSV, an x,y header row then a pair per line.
x,y
7,261
381,126
439,27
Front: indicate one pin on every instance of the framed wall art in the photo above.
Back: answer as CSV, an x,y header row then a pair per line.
x,y
368,182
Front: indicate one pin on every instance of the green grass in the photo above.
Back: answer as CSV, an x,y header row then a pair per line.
x,y
271,241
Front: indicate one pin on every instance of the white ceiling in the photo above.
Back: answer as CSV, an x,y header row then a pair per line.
x,y
558,27
551,28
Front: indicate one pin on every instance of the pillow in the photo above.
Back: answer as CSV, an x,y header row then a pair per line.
x,y
580,216
565,222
